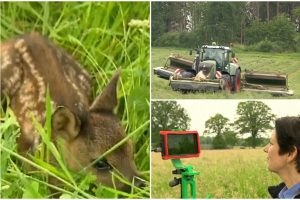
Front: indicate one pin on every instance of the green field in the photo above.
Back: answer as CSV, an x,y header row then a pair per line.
x,y
235,173
271,62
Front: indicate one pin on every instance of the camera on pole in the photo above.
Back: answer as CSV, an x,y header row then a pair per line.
x,y
178,144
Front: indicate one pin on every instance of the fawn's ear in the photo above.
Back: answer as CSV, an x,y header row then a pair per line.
x,y
107,100
65,123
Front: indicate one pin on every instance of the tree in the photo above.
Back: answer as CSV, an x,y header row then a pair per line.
x,y
296,11
268,10
167,115
188,24
230,138
221,21
219,142
216,124
254,117
230,135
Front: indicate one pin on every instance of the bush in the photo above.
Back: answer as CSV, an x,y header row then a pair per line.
x,y
265,46
255,33
219,142
187,39
268,46
281,30
276,35
176,39
168,39
297,42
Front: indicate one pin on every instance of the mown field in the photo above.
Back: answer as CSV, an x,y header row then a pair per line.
x,y
236,173
271,62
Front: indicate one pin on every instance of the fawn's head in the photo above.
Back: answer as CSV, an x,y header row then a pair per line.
x,y
85,140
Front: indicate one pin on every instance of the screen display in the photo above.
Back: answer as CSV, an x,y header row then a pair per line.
x,y
182,144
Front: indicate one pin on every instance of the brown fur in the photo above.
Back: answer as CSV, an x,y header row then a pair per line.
x,y
87,129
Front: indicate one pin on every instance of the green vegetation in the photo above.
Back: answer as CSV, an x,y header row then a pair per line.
x,y
253,117
102,36
217,124
270,62
188,24
167,115
235,173
280,31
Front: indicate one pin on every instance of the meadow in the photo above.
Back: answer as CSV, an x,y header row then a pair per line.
x,y
234,173
271,62
102,37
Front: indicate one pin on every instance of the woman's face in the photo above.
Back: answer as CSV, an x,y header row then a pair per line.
x,y
276,162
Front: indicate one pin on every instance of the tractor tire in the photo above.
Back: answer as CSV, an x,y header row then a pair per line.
x,y
236,81
226,83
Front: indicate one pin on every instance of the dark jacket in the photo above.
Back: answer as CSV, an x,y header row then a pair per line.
x,y
274,191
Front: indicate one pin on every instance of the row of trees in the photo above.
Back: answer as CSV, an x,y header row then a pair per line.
x,y
253,117
230,141
188,23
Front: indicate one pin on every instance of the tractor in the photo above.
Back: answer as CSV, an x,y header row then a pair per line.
x,y
215,68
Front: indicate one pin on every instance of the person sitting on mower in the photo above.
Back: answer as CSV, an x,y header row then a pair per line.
x,y
234,59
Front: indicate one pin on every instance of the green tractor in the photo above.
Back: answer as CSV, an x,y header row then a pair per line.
x,y
212,70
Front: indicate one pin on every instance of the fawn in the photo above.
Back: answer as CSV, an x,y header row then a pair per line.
x,y
32,62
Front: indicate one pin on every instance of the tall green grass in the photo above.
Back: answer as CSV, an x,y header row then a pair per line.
x,y
271,62
103,37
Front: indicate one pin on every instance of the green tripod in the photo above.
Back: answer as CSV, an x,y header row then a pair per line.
x,y
187,179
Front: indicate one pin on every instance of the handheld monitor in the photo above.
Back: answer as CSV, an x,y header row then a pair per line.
x,y
179,144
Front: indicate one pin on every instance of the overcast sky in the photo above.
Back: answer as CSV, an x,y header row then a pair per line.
x,y
201,110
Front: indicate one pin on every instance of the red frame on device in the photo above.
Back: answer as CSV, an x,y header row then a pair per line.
x,y
166,155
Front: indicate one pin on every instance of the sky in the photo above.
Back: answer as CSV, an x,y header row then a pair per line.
x,y
201,110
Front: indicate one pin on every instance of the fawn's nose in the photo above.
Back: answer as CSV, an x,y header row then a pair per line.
x,y
139,183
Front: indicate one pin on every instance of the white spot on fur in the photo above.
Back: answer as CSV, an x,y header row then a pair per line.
x,y
81,77
27,58
28,99
27,128
5,60
14,81
21,47
28,104
83,82
81,96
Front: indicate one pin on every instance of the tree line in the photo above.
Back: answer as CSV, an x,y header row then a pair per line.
x,y
254,118
185,24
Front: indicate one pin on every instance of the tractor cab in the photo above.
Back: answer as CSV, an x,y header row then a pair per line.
x,y
214,61
220,54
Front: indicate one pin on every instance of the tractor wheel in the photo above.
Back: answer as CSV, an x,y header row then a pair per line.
x,y
226,81
236,81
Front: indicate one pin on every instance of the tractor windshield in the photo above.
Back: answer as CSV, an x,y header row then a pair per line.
x,y
213,54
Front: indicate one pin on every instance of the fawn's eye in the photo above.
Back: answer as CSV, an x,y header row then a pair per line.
x,y
103,165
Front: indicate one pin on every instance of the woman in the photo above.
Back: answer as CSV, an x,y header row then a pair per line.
x,y
284,157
